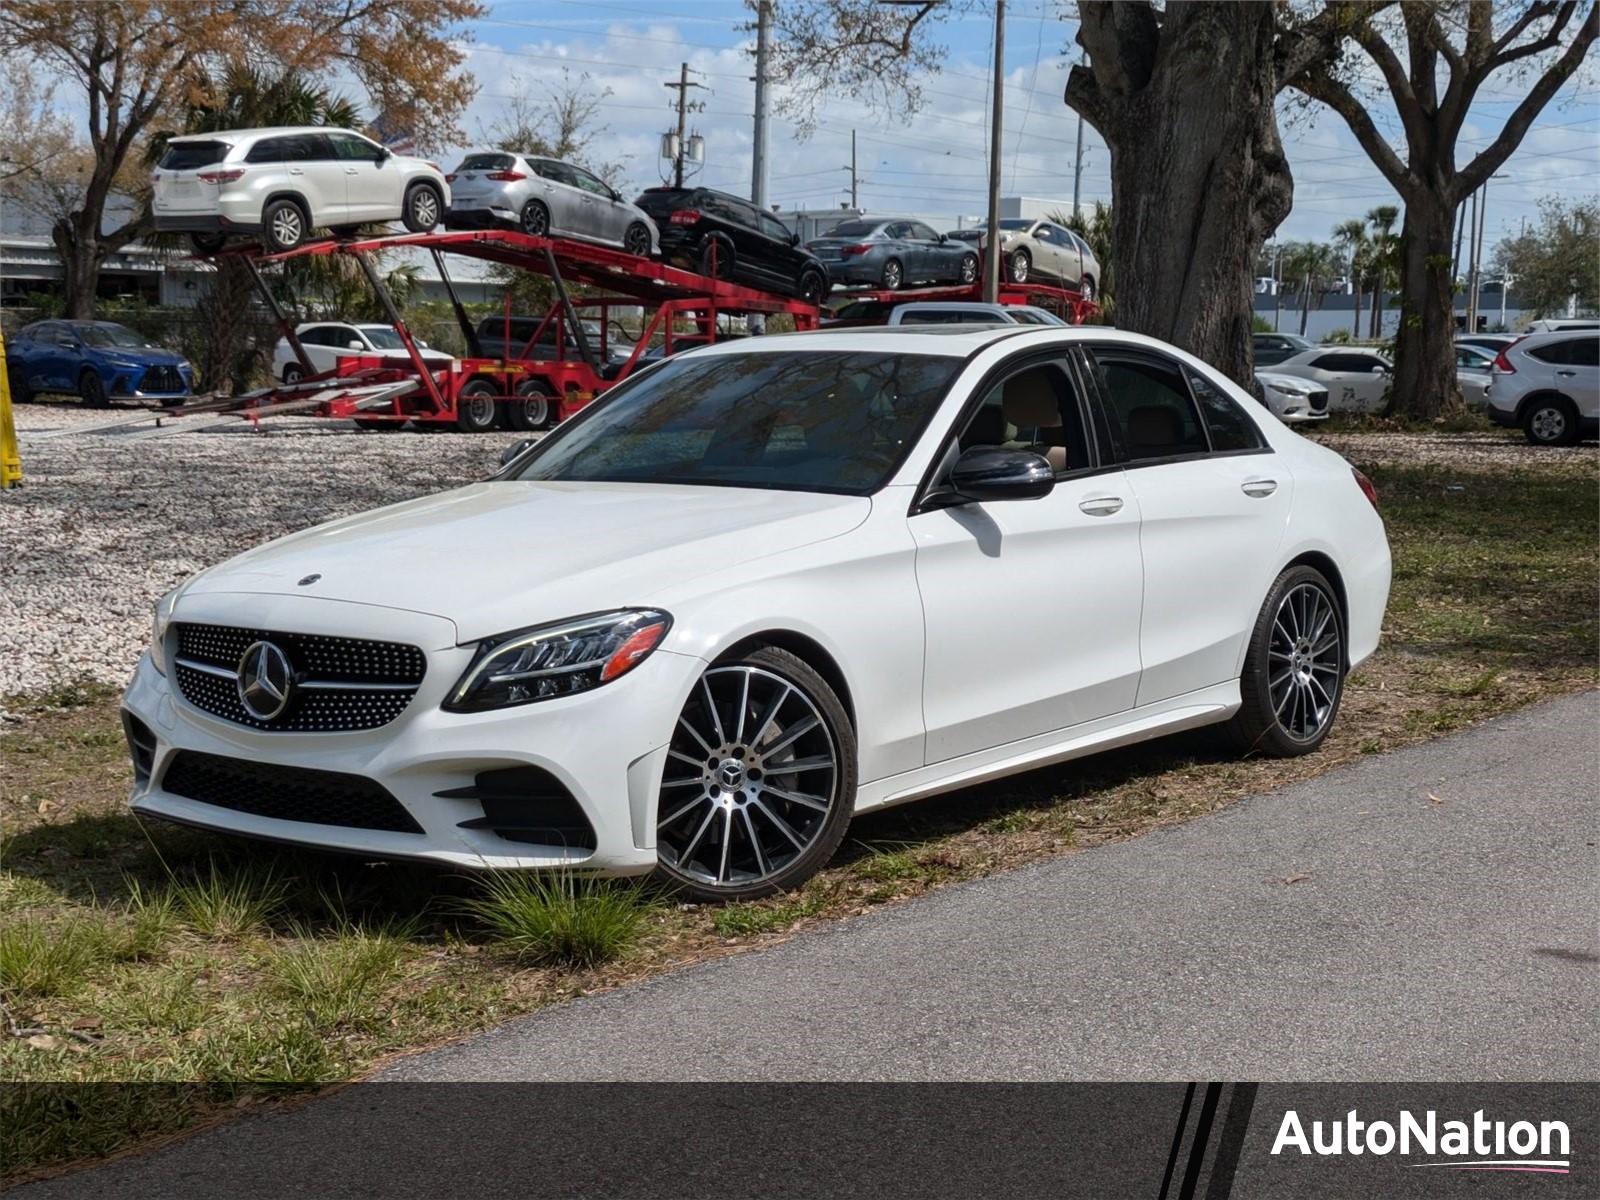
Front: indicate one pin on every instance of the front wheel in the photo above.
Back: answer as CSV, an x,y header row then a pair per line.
x,y
535,219
813,287
207,243
969,268
760,780
293,373
422,209
1294,668
1551,422
477,407
92,389
1086,288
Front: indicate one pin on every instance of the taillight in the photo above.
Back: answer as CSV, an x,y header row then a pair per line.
x,y
1502,363
505,176
1365,484
222,176
685,216
859,248
450,178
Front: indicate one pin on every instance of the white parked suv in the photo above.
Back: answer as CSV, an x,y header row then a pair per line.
x,y
1549,385
326,342
282,183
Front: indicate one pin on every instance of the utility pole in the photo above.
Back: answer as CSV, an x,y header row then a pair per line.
x,y
682,88
855,200
758,152
1077,162
991,261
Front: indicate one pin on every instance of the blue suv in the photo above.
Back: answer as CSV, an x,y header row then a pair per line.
x,y
96,360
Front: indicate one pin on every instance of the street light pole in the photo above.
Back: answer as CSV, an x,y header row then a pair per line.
x,y
991,261
758,153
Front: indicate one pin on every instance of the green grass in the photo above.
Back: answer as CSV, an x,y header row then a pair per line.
x,y
558,918
334,982
755,917
41,958
228,900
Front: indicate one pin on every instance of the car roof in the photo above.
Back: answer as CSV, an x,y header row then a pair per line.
x,y
948,341
268,131
1550,336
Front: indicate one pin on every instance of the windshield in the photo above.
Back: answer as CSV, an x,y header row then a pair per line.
x,y
817,421
112,335
1035,316
1013,223
383,337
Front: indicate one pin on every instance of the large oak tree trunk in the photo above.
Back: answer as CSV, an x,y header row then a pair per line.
x,y
1197,167
1425,384
80,260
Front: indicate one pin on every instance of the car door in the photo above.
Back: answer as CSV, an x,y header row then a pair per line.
x,y
318,174
784,250
1353,383
372,191
933,265
561,195
1584,360
1066,264
606,216
1031,607
1213,502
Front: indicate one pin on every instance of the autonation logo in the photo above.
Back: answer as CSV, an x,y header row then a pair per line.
x,y
1476,1145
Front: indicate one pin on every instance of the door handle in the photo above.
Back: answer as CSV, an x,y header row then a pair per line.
x,y
296,171
1101,506
351,171
1566,373
1259,488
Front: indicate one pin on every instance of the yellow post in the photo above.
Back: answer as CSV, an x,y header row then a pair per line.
x,y
10,458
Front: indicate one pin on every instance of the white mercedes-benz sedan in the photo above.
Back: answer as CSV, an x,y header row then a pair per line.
x,y
761,587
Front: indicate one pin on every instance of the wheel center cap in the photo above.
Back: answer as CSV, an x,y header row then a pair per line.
x,y
730,773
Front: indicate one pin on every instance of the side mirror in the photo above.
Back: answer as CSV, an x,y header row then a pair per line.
x,y
794,239
354,345
943,238
1380,369
422,344
384,154
996,473
513,450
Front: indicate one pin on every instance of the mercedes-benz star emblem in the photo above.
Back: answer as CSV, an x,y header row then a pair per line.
x,y
265,681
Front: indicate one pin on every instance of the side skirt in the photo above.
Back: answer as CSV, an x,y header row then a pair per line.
x,y
1208,706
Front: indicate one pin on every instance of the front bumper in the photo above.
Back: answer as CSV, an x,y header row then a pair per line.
x,y
606,748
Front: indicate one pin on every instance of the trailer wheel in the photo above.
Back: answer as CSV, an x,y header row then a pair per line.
x,y
478,407
532,411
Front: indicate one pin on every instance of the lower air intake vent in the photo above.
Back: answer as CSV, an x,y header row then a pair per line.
x,y
286,793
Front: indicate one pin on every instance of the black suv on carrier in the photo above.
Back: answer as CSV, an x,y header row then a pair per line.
x,y
718,234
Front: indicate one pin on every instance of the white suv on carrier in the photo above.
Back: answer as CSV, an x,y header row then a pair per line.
x,y
282,183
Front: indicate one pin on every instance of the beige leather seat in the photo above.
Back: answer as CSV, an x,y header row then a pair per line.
x,y
1031,403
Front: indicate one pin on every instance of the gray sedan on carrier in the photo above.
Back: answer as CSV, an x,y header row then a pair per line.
x,y
892,253
543,196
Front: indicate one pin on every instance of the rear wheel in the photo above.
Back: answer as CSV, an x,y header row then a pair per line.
x,y
969,268
534,406
283,226
422,209
760,780
716,258
1293,674
293,373
637,240
1551,421
478,407
535,219
93,390
207,243
893,275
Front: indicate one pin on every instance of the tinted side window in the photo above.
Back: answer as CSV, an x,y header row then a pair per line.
x,y
1230,428
774,228
353,149
1149,404
266,150
1556,352
589,183
1358,363
1585,352
923,233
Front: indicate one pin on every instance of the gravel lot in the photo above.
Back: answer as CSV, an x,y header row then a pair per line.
x,y
104,525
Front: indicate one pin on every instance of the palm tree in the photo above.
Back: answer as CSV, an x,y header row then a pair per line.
x,y
1310,265
1351,237
247,98
1383,259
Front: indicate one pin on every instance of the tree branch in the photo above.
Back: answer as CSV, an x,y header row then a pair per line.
x,y
1319,85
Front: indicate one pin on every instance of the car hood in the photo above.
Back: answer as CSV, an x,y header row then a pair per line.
x,y
144,357
498,556
1293,383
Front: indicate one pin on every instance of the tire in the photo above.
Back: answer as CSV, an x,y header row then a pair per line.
x,y
716,258
535,219
751,838
1018,266
423,208
969,269
293,373
1551,421
1299,638
813,286
284,226
477,409
637,240
1086,288
92,389
207,243
535,409
21,393
894,276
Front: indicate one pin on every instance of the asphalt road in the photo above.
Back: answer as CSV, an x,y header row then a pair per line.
x,y
1423,915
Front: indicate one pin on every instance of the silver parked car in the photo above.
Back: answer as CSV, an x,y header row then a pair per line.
x,y
543,196
1041,252
893,252
1549,384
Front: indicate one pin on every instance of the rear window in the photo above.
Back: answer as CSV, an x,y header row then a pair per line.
x,y
191,156
855,229
487,162
658,202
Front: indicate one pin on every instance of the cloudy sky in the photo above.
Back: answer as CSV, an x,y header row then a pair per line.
x,y
936,163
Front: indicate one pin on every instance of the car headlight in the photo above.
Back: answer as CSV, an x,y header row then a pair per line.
x,y
158,629
1292,389
549,661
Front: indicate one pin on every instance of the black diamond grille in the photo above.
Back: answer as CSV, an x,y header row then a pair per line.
x,y
286,793
363,684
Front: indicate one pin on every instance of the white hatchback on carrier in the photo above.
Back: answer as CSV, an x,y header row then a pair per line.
x,y
282,183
